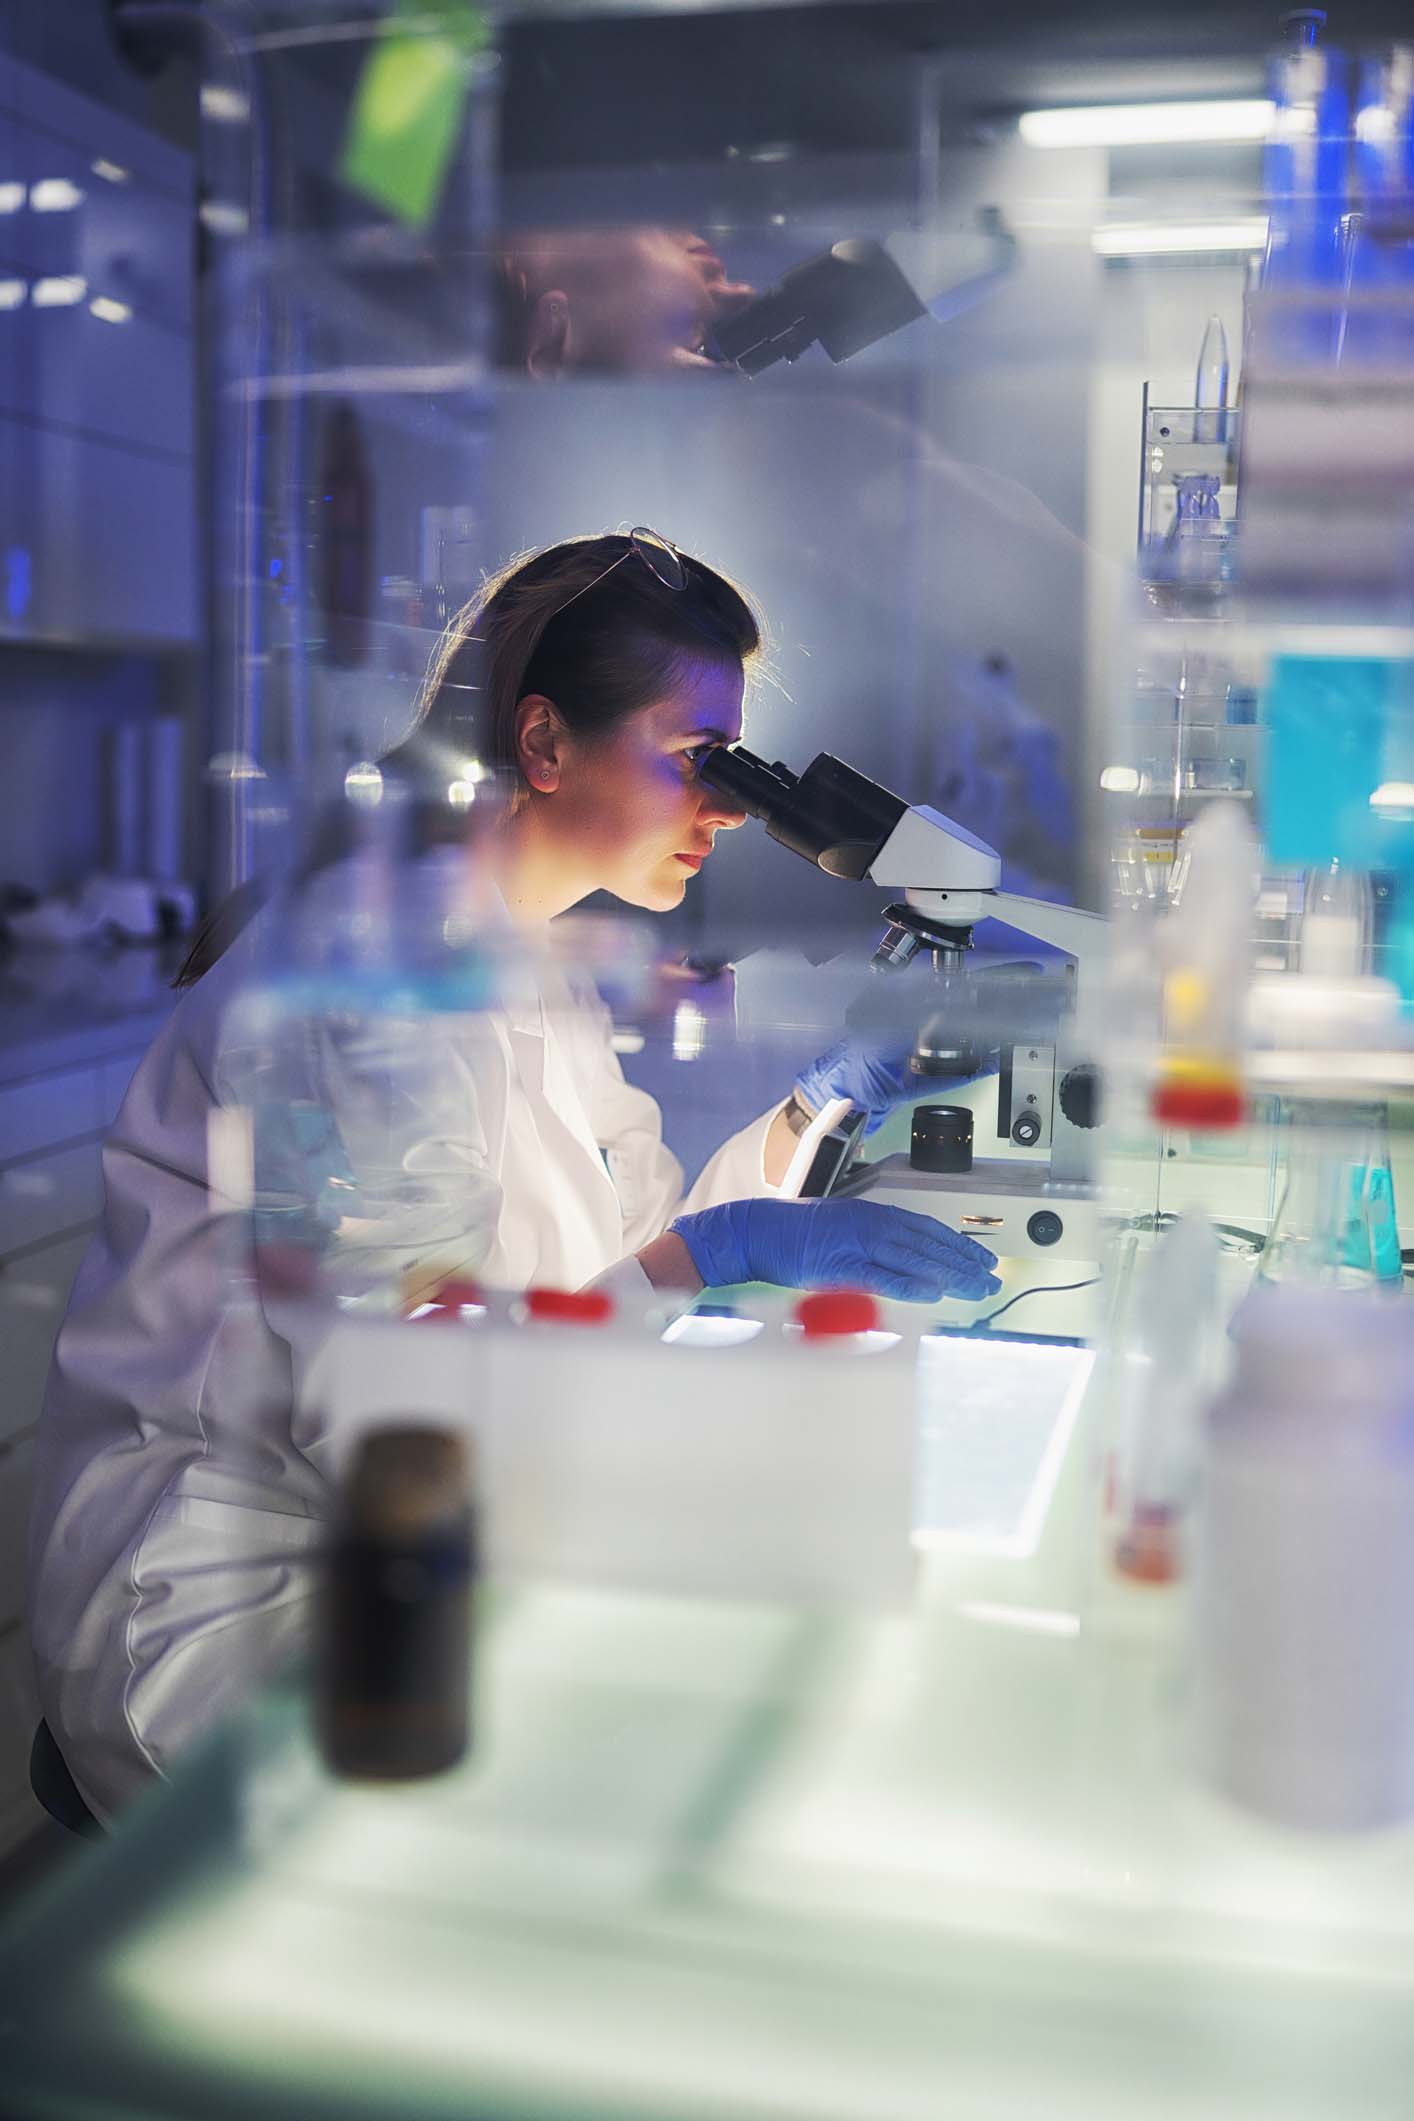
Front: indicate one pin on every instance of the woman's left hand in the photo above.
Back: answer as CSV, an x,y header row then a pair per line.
x,y
874,1075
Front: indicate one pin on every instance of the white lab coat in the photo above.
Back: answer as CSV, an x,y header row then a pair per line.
x,y
179,1494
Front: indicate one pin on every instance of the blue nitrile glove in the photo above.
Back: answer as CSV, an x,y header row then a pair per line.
x,y
874,1077
836,1244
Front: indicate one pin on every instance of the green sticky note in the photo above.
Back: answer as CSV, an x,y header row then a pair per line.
x,y
407,111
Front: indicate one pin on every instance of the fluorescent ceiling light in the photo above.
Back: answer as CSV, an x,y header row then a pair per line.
x,y
1156,239
1146,124
12,197
60,292
111,172
109,311
12,293
223,217
54,195
226,106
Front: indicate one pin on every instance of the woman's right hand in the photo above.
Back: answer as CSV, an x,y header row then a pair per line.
x,y
831,1244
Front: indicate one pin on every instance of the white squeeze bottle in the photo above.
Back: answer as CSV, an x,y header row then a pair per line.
x,y
1301,1683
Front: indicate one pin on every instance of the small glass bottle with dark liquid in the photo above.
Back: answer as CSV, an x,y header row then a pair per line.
x,y
395,1674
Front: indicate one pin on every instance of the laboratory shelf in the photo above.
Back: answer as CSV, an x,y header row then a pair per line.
x,y
1238,635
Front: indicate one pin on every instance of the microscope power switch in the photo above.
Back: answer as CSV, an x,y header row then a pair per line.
x,y
1045,1227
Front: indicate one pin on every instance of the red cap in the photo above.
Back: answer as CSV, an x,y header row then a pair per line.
x,y
571,1307
833,1311
447,1302
460,1290
1211,1105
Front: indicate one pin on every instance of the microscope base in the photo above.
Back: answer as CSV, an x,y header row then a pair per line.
x,y
1009,1204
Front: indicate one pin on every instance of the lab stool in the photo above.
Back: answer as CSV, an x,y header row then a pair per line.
x,y
56,1789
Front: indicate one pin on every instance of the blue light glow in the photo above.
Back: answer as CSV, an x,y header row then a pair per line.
x,y
19,581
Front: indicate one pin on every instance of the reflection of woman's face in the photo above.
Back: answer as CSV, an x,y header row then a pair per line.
x,y
640,299
630,811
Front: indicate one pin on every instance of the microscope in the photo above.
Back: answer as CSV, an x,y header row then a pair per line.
x,y
862,290
1039,1201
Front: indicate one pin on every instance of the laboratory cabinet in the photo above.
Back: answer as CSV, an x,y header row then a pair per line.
x,y
97,378
58,1096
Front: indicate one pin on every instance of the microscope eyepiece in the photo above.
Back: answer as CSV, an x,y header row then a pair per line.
x,y
830,814
758,789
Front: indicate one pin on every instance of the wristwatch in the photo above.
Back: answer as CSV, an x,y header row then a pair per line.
x,y
798,1116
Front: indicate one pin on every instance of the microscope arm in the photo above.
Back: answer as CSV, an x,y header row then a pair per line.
x,y
1069,928
851,827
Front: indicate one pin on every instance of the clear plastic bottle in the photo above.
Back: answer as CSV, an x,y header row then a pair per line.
x,y
1301,1658
1162,1375
1206,946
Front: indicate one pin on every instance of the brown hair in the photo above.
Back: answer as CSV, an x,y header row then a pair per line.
x,y
601,640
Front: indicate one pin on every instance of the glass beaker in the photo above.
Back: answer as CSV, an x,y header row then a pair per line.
x,y
1335,1224
1337,917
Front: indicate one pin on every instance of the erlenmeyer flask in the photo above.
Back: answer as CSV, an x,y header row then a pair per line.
x,y
1335,1226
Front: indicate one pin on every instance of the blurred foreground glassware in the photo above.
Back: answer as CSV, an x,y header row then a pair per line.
x,y
1337,919
1210,384
1300,1688
1196,527
1335,1225
1163,1371
379,965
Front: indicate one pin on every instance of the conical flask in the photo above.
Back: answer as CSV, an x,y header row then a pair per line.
x,y
1335,1226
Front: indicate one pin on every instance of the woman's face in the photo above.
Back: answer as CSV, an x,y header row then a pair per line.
x,y
623,301
629,806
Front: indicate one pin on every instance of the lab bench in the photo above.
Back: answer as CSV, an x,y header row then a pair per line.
x,y
73,1027
718,1859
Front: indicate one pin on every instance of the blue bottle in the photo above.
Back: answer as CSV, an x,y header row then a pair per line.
x,y
1384,148
1382,251
1305,160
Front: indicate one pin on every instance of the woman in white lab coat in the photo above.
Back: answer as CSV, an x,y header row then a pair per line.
x,y
180,1487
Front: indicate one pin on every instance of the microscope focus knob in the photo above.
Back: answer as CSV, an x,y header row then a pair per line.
x,y
1080,1096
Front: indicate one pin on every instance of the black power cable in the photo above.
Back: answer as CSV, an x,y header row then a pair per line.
x,y
1047,1289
